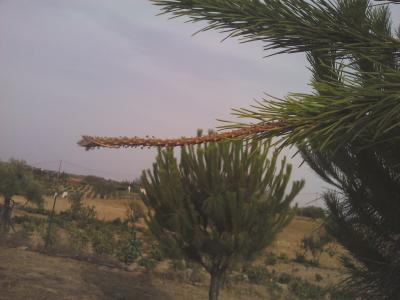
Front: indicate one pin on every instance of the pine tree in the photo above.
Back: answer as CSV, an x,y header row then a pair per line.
x,y
221,205
16,179
351,41
364,214
347,128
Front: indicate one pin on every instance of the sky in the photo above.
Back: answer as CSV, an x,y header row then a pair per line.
x,y
114,68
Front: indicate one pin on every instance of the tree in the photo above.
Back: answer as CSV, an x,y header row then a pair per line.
x,y
16,179
363,216
222,204
348,126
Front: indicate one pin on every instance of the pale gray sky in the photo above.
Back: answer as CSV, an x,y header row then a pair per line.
x,y
100,67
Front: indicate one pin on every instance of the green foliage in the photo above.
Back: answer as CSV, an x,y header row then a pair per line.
x,y
224,202
127,249
284,278
102,241
179,264
156,253
129,245
347,127
52,237
305,290
16,179
84,215
364,215
147,263
258,275
351,50
316,244
75,199
80,238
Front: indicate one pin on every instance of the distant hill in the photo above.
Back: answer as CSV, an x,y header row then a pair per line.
x,y
90,186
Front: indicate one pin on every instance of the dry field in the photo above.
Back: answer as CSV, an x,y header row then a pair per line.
x,y
30,275
26,275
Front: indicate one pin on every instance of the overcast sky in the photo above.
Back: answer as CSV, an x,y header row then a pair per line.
x,y
100,67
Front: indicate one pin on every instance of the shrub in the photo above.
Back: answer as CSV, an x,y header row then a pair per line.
x,y
258,275
156,253
52,238
306,290
147,263
179,264
284,278
103,241
80,238
128,249
315,244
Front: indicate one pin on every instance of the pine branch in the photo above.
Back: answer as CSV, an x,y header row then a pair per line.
x,y
288,25
92,142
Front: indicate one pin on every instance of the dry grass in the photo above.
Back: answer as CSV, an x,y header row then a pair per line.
x,y
29,275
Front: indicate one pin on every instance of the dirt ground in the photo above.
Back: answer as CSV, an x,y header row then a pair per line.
x,y
26,275
31,275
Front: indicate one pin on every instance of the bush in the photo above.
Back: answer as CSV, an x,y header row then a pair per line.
x,y
156,254
147,263
103,241
179,264
315,244
75,199
306,290
258,275
284,278
83,215
51,237
128,249
80,238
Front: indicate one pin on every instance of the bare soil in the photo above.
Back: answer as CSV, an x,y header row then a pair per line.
x,y
26,275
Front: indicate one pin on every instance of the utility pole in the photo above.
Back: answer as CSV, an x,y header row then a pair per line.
x,y
46,244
